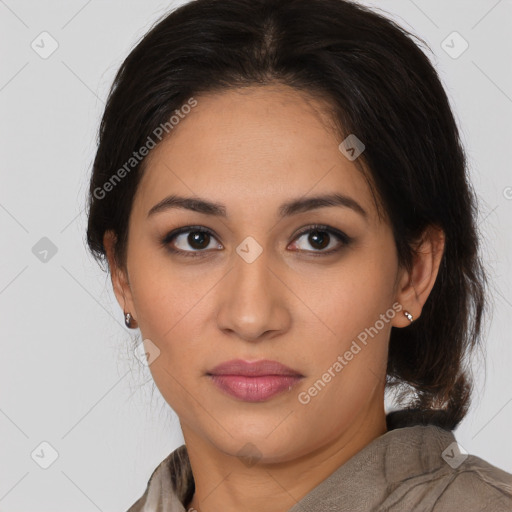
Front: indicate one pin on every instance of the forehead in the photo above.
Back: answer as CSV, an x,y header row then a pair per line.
x,y
251,146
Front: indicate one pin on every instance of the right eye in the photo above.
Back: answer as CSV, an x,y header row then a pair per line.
x,y
197,237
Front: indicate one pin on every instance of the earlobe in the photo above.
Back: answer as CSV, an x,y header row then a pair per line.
x,y
416,285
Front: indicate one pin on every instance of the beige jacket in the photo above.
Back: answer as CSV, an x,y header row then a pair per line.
x,y
418,468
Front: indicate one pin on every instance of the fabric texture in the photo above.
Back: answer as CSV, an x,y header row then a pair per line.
x,y
418,468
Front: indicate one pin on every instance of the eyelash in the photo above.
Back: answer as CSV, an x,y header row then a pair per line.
x,y
342,237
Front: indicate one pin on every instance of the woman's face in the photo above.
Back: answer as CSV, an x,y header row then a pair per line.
x,y
255,288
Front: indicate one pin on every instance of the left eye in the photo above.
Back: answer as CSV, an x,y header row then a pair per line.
x,y
320,237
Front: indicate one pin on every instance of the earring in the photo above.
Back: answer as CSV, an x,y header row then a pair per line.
x,y
408,315
128,321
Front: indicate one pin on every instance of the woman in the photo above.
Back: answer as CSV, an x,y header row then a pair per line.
x,y
281,194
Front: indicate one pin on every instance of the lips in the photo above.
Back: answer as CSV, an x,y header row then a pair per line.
x,y
252,369
254,381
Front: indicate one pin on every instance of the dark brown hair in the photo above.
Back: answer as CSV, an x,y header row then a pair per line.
x,y
381,87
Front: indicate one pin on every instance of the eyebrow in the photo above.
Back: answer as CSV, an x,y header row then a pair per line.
x,y
287,209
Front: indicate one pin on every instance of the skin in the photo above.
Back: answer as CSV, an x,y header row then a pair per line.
x,y
253,150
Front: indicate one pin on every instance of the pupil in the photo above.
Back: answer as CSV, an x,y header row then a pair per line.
x,y
197,239
319,238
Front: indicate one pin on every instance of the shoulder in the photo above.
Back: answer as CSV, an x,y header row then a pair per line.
x,y
475,485
426,469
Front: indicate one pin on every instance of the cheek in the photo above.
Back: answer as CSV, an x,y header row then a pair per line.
x,y
355,309
167,296
173,322
171,305
348,365
351,296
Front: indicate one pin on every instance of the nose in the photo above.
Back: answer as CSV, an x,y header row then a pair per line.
x,y
253,303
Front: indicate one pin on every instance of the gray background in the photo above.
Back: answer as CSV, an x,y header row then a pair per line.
x,y
67,376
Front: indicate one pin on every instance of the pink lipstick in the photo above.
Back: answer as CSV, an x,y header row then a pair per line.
x,y
256,381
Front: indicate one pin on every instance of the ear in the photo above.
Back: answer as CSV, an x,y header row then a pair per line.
x,y
415,286
119,276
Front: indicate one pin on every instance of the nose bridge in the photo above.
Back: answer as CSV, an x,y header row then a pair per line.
x,y
252,254
250,306
250,273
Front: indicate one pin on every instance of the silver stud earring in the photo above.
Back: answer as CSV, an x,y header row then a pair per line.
x,y
408,315
128,321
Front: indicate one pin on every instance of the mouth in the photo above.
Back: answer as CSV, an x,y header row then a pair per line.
x,y
254,381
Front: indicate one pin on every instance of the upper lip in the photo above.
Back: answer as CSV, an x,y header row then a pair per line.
x,y
252,368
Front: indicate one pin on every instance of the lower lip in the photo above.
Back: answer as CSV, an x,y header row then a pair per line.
x,y
254,389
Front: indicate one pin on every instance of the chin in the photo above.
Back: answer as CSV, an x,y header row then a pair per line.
x,y
258,441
